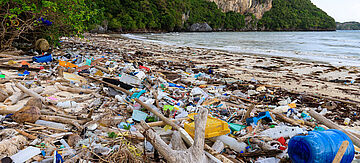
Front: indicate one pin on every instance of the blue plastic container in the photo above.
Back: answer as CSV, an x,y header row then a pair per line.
x,y
43,58
319,147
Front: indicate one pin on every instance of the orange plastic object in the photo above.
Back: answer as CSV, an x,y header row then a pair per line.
x,y
214,127
67,64
292,105
25,63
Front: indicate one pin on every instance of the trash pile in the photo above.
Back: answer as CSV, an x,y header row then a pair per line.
x,y
89,102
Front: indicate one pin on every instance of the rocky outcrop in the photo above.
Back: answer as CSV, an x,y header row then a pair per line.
x,y
200,27
256,7
98,29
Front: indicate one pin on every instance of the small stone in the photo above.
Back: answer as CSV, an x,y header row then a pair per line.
x,y
27,114
30,112
73,139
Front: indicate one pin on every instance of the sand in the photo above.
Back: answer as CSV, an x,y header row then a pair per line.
x,y
289,73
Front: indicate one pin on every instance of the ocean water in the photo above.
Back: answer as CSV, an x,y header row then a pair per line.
x,y
339,48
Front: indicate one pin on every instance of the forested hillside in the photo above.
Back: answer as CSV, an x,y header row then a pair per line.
x,y
296,15
178,15
52,19
174,15
348,26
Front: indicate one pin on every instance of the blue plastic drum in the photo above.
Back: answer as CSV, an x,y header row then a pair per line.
x,y
319,147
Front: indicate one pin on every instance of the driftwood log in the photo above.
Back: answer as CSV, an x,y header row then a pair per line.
x,y
13,99
195,153
73,90
30,92
161,123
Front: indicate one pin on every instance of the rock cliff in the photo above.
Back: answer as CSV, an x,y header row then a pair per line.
x,y
256,7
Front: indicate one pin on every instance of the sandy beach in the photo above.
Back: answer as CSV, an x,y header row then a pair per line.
x,y
315,78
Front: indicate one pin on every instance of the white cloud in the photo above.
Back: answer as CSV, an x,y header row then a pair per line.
x,y
340,10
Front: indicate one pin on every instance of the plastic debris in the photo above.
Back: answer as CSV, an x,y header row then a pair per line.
x,y
97,95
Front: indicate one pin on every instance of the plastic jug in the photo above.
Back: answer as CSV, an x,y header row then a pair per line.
x,y
320,147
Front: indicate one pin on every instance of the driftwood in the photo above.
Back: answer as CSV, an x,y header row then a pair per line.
x,y
240,98
335,99
76,157
161,123
73,90
341,151
103,69
194,154
13,99
269,153
30,92
7,67
26,134
51,128
248,111
332,125
286,119
176,142
45,112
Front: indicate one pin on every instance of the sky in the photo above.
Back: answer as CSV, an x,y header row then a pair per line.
x,y
340,10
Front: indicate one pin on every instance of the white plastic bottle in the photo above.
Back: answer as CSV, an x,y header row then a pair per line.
x,y
232,143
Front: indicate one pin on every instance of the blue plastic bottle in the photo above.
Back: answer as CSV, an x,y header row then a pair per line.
x,y
319,147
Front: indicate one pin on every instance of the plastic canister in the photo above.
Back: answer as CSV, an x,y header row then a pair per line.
x,y
320,147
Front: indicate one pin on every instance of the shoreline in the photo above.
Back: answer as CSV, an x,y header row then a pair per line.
x,y
239,53
160,31
289,73
297,56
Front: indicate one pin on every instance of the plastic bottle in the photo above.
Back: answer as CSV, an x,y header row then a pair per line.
x,y
320,147
67,150
347,121
323,111
67,104
51,124
232,143
282,131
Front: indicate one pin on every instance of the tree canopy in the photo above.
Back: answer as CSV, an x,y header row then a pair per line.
x,y
296,15
51,19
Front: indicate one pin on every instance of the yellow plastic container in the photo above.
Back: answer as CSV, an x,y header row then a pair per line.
x,y
214,127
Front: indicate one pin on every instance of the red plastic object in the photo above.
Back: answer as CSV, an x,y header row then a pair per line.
x,y
143,67
282,141
282,148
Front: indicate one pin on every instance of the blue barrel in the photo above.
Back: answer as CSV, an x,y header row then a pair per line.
x,y
320,147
